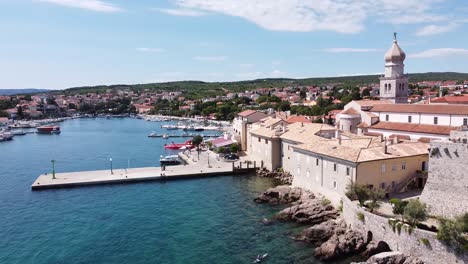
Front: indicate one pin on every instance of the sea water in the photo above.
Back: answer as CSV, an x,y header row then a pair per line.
x,y
211,220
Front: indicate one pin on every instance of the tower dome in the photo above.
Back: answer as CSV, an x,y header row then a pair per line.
x,y
395,54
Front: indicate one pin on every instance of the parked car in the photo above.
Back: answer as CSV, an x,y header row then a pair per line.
x,y
231,157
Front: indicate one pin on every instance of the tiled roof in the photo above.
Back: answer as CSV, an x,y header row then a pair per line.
x,y
295,119
452,99
422,108
417,128
350,111
246,113
305,132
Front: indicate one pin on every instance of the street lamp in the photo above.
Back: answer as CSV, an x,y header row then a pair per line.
x,y
209,166
53,169
110,159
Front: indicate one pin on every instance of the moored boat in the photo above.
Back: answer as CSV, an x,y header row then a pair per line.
x,y
48,129
169,160
188,145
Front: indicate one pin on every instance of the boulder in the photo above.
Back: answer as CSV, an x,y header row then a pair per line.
x,y
374,248
393,257
344,242
283,194
309,212
318,234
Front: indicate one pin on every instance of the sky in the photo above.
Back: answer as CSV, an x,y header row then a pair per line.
x,y
57,44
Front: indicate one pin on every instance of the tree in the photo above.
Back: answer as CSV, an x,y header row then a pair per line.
x,y
359,192
366,92
415,212
20,113
399,207
234,148
375,195
197,140
221,150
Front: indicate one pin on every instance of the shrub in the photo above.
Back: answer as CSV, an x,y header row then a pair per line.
x,y
425,241
325,202
375,195
360,216
221,150
453,233
340,208
415,212
234,148
359,192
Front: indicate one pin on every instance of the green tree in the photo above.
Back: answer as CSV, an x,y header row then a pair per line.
x,y
454,232
234,148
358,192
399,207
415,212
197,140
375,196
4,114
19,113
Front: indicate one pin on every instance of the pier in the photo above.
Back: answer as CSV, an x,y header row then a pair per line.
x,y
196,167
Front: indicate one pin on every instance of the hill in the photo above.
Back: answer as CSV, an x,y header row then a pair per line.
x,y
198,89
22,91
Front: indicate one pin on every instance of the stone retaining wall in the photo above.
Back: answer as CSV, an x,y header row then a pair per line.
x,y
412,244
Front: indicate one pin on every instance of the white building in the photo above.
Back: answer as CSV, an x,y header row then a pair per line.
x,y
241,125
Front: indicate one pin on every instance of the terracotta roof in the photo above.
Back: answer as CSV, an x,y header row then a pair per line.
x,y
349,111
410,127
296,118
404,137
422,108
452,99
247,113
426,139
305,132
373,134
372,102
363,125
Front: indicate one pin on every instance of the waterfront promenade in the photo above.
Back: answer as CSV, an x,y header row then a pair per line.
x,y
196,167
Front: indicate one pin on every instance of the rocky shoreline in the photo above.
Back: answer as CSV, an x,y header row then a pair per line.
x,y
278,175
326,230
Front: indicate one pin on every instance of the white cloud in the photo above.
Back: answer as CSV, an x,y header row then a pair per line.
x,y
275,63
210,58
182,12
343,16
247,65
442,52
349,50
93,5
436,29
150,49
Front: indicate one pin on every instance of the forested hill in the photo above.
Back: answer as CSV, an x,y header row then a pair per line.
x,y
204,89
21,91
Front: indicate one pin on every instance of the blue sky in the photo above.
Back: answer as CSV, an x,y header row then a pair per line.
x,y
65,43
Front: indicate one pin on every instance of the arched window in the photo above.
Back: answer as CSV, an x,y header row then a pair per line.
x,y
389,87
386,88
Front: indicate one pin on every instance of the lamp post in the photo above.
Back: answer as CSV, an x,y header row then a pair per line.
x,y
110,159
209,166
53,169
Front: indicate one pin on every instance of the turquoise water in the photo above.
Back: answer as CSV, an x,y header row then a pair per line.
x,y
188,221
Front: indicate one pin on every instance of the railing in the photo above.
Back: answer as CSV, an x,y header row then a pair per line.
x,y
405,182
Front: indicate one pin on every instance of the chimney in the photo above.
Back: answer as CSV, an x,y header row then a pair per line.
x,y
385,147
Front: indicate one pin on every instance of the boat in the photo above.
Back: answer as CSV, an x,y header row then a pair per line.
x,y
169,160
153,134
188,145
199,129
20,132
165,136
260,258
48,129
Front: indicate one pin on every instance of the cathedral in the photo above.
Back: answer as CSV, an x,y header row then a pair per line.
x,y
394,84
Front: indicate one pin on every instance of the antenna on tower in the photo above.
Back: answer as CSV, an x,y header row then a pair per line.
x,y
395,36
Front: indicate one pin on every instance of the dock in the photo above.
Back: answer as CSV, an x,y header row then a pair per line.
x,y
195,168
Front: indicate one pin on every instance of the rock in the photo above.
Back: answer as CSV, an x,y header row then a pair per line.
x,y
393,257
374,248
281,176
318,234
343,242
266,222
308,212
283,194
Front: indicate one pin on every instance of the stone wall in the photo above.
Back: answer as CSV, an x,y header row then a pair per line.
x,y
411,244
446,190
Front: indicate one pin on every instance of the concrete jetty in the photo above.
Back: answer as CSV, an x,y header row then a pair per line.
x,y
196,168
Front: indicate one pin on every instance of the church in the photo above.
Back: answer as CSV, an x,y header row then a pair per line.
x,y
392,116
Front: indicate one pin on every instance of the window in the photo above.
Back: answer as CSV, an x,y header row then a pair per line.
x,y
436,119
393,184
347,171
334,166
259,139
335,185
393,167
317,162
465,121
383,168
409,119
266,141
403,165
382,185
389,87
386,117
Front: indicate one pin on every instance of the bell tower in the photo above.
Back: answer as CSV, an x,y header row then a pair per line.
x,y
394,84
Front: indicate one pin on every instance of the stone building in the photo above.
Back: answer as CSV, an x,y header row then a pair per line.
x,y
241,125
446,190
